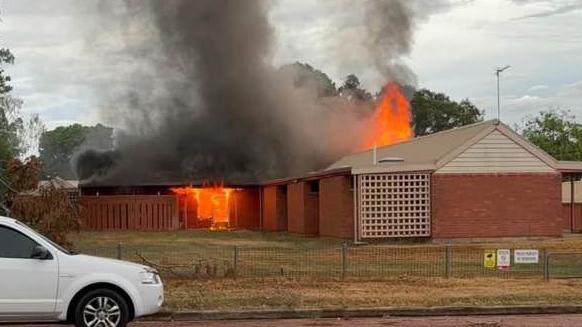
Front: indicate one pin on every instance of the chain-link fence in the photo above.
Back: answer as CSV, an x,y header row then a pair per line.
x,y
346,261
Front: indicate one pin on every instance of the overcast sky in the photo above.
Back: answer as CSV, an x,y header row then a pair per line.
x,y
455,51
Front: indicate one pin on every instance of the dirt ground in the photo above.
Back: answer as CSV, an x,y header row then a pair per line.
x,y
469,321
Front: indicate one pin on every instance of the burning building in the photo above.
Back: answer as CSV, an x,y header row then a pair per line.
x,y
211,129
116,203
481,180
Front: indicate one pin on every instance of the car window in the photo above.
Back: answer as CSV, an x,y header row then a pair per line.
x,y
14,244
57,246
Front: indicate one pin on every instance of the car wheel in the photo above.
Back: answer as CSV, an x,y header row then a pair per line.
x,y
102,308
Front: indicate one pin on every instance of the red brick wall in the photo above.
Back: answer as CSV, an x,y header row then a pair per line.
x,y
577,217
496,205
282,207
270,208
246,213
302,209
295,207
336,207
274,209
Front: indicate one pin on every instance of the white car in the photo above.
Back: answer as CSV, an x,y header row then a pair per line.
x,y
41,281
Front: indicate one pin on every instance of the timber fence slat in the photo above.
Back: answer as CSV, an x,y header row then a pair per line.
x,y
132,212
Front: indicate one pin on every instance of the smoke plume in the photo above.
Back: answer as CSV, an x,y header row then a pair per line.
x,y
200,100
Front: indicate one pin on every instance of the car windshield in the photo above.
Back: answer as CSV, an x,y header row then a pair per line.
x,y
57,246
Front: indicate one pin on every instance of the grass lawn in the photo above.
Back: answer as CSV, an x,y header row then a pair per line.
x,y
228,294
202,253
189,240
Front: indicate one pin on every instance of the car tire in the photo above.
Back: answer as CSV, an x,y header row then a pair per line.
x,y
102,308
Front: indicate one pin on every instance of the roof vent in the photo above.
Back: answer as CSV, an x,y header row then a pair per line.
x,y
391,159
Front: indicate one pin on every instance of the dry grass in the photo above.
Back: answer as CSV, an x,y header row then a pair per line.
x,y
197,239
285,293
192,253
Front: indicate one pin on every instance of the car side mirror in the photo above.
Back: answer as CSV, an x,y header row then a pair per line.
x,y
41,253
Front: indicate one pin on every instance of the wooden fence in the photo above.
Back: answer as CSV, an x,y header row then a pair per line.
x,y
129,212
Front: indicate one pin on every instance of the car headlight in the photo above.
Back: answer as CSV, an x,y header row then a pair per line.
x,y
150,276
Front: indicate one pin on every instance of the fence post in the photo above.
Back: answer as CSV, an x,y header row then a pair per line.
x,y
119,254
235,262
546,266
448,260
344,258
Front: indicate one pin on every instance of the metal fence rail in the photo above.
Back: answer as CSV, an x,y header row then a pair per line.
x,y
340,261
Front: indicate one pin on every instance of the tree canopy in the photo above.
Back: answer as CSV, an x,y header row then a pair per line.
x,y
434,112
352,91
57,147
556,132
304,75
8,127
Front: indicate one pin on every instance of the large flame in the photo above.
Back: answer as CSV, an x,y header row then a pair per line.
x,y
391,122
213,203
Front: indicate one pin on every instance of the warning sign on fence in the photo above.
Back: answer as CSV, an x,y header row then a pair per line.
x,y
489,259
503,259
526,256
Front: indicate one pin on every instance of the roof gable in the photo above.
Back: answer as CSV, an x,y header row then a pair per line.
x,y
495,153
437,150
424,150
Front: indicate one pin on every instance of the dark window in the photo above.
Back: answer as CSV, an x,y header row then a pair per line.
x,y
282,189
314,186
351,181
13,244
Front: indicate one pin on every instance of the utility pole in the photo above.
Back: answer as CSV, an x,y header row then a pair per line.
x,y
497,72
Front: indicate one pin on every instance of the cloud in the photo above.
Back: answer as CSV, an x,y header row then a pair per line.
x,y
526,99
536,88
552,8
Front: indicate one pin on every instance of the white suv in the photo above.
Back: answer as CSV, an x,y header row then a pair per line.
x,y
41,281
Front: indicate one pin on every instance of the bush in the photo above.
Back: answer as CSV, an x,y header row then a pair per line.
x,y
49,211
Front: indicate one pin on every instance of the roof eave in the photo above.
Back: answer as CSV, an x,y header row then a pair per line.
x,y
402,168
569,166
310,176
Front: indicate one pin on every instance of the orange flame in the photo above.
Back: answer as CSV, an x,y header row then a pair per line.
x,y
213,203
391,121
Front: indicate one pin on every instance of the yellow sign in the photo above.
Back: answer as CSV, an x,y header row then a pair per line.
x,y
489,259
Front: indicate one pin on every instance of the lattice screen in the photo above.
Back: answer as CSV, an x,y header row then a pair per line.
x,y
394,205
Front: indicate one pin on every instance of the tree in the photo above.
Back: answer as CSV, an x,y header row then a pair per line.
x,y
352,91
305,76
434,112
44,208
8,127
58,147
556,132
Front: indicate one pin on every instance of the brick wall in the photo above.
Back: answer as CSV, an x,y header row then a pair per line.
x,y
336,207
496,205
246,213
566,220
282,207
274,208
302,209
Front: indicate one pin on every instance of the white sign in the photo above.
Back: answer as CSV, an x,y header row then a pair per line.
x,y
503,258
526,256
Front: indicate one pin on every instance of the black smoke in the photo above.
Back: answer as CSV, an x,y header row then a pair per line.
x,y
202,100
